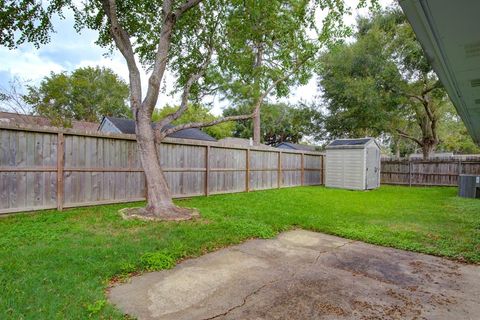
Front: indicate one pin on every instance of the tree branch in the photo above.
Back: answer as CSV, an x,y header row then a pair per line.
x,y
436,85
426,106
123,43
285,77
205,124
161,58
424,102
194,77
186,6
12,99
276,82
412,96
407,136
425,98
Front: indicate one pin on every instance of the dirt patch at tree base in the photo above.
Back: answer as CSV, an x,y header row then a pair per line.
x,y
177,214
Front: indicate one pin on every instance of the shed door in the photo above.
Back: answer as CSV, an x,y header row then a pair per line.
x,y
373,168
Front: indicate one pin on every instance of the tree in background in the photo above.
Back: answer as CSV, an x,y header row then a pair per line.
x,y
280,123
383,83
269,47
351,82
197,113
86,94
454,135
12,97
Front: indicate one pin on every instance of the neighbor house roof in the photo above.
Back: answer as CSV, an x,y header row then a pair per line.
x,y
232,141
296,146
449,34
241,142
17,119
433,155
128,126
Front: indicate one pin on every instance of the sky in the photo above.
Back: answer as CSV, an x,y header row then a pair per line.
x,y
69,50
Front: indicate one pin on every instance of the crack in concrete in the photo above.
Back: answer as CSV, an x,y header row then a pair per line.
x,y
333,249
245,299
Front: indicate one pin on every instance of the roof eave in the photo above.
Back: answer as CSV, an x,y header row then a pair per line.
x,y
358,146
420,18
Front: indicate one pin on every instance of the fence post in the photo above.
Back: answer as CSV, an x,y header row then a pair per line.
x,y
207,169
146,187
302,169
459,169
409,173
247,170
322,170
60,165
279,170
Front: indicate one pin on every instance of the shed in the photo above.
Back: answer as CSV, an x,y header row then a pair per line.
x,y
353,164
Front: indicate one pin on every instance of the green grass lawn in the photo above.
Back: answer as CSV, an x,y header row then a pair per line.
x,y
56,265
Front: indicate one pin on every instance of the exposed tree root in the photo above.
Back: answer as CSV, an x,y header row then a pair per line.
x,y
173,213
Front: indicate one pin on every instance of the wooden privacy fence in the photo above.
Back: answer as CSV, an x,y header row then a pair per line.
x,y
434,172
46,168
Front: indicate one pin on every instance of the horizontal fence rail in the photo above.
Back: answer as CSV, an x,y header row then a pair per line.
x,y
432,172
45,168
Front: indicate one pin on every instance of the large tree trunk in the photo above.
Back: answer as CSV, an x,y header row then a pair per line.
x,y
256,119
397,151
428,147
256,127
159,198
158,193
430,136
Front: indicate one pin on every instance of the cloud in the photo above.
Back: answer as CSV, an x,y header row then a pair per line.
x,y
64,51
26,64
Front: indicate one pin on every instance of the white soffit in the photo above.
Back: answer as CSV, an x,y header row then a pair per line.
x,y
449,31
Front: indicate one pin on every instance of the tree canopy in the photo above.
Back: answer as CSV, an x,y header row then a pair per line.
x,y
85,94
382,83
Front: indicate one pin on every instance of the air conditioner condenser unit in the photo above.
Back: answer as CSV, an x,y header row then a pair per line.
x,y
469,186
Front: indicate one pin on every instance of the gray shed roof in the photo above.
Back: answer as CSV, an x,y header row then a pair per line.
x,y
128,126
350,143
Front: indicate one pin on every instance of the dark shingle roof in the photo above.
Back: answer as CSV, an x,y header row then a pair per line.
x,y
128,126
349,142
296,146
192,133
124,125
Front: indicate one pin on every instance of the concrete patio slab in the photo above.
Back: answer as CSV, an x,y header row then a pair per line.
x,y
305,275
